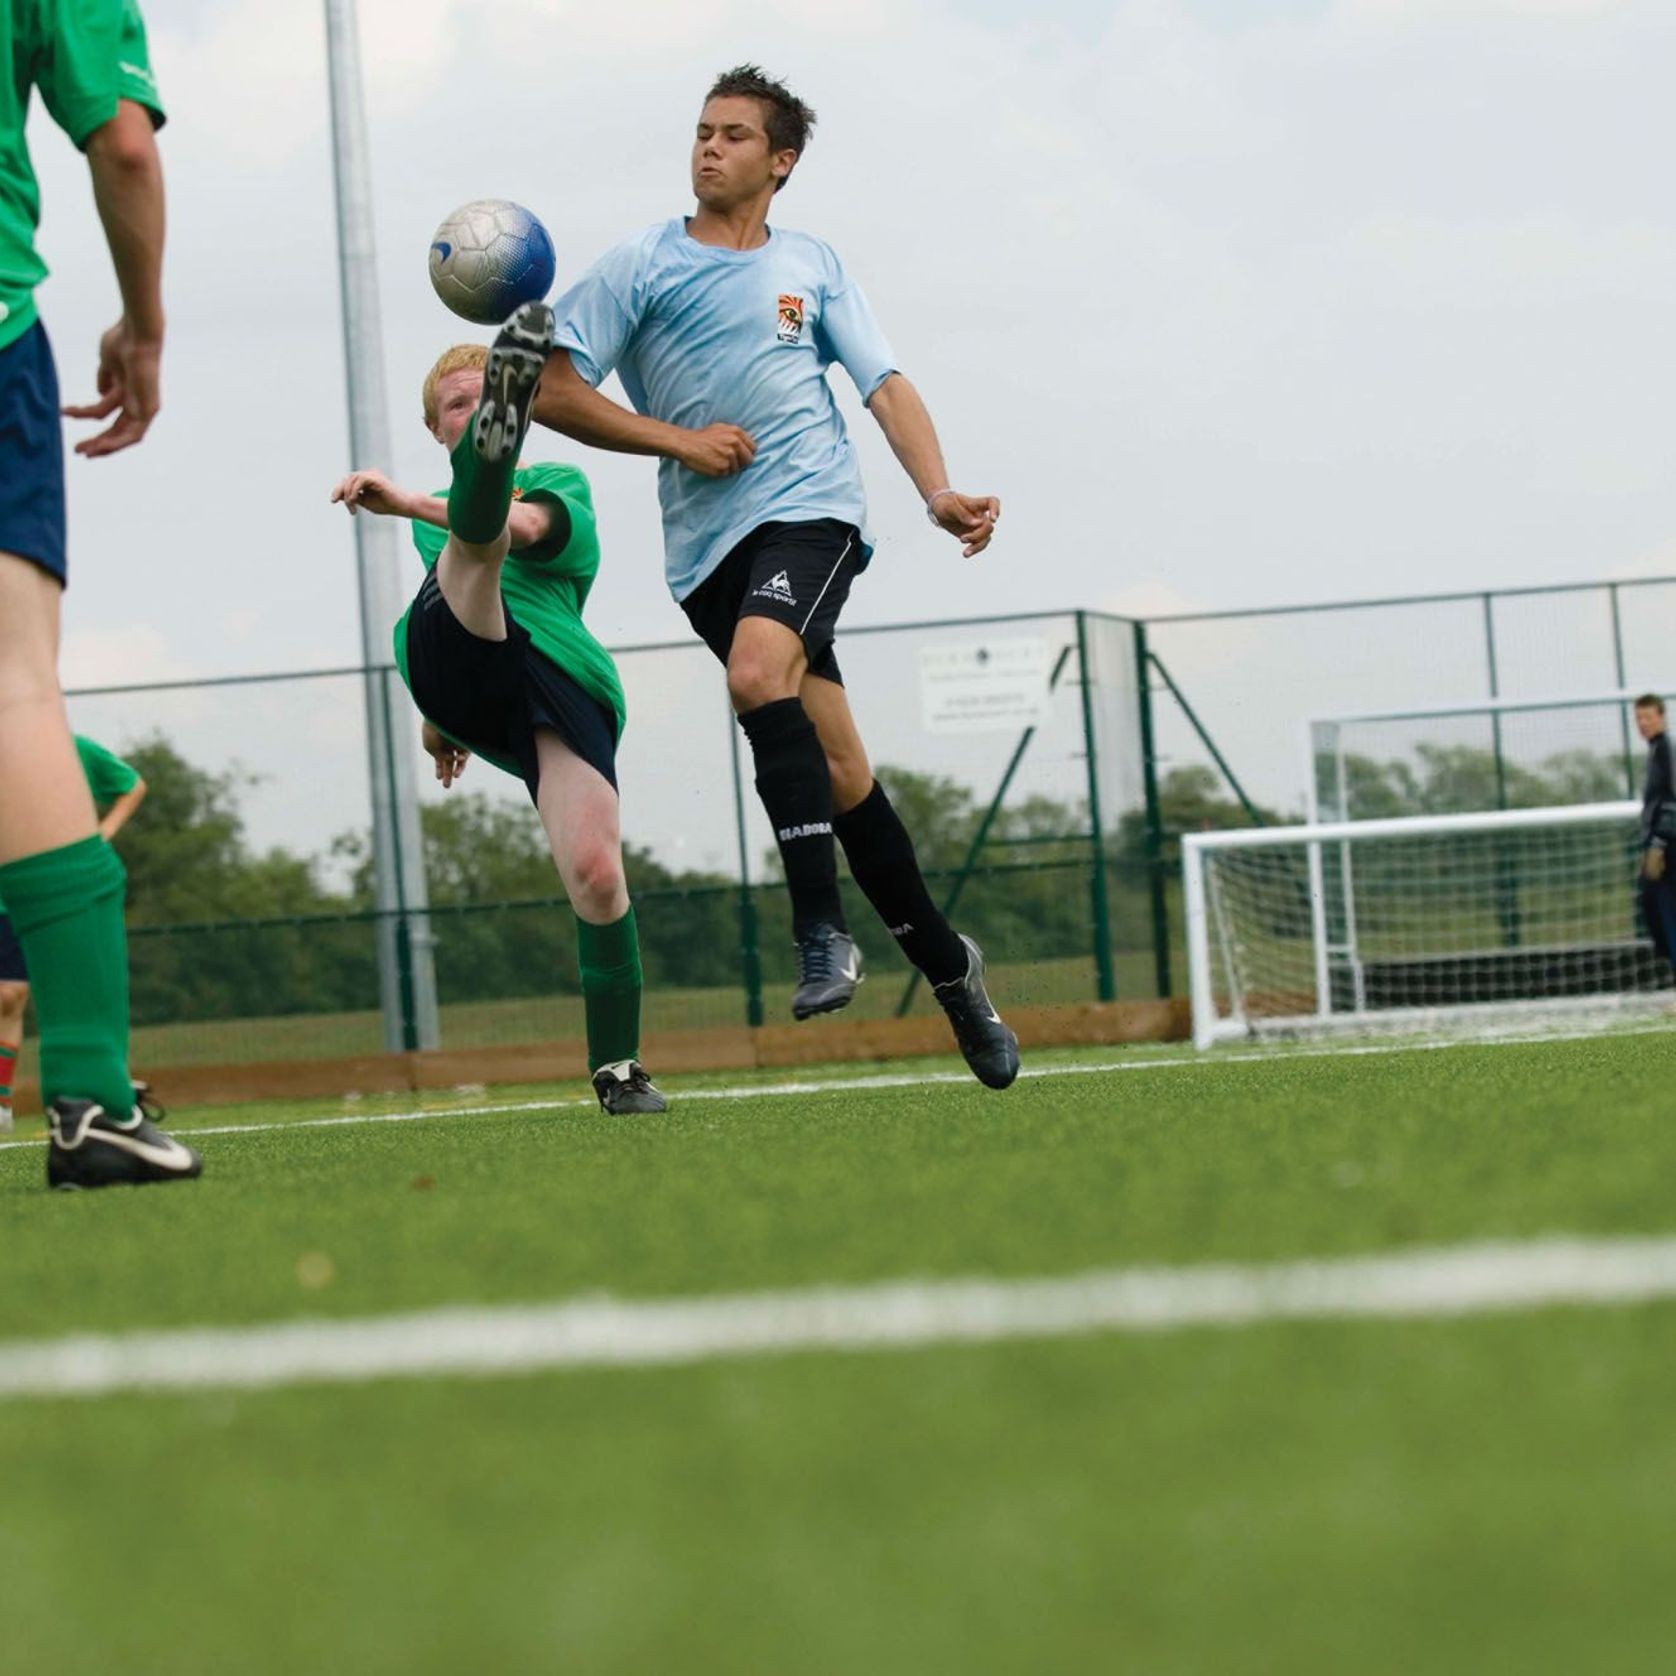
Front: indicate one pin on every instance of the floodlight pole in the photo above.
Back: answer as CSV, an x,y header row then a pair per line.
x,y
406,973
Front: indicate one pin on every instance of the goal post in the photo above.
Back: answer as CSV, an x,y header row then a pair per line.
x,y
1416,922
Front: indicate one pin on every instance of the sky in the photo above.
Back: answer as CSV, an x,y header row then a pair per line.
x,y
1232,303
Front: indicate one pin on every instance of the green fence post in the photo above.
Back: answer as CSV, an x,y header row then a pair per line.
x,y
750,950
1156,885
979,838
404,939
1105,985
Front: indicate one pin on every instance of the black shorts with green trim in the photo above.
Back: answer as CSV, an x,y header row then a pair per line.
x,y
492,695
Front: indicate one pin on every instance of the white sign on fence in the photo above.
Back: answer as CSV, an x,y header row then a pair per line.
x,y
975,689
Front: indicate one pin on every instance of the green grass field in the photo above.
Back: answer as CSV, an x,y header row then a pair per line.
x,y
1479,1493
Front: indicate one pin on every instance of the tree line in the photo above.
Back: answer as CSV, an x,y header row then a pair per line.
x,y
223,928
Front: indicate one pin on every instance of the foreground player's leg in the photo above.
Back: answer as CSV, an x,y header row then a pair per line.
x,y
763,672
883,863
579,810
63,887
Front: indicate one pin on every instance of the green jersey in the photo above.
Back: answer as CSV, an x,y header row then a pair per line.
x,y
84,56
545,587
108,776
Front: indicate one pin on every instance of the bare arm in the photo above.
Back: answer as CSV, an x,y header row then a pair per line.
x,y
903,417
128,190
567,403
527,522
121,811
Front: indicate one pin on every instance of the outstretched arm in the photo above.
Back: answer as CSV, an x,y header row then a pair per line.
x,y
527,522
904,419
568,403
128,190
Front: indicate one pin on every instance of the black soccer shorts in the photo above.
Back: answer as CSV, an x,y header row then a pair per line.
x,y
798,574
492,695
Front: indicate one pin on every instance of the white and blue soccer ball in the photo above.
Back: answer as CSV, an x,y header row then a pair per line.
x,y
488,257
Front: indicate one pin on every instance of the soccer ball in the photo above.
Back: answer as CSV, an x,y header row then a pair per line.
x,y
488,257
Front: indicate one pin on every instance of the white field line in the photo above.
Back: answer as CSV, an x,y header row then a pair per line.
x,y
911,1315
925,1079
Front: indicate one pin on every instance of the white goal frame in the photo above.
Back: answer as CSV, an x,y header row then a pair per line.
x,y
1202,907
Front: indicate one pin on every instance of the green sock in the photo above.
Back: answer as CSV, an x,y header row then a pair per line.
x,y
481,493
609,956
67,907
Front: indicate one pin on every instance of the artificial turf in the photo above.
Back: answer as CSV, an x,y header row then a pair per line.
x,y
1478,1494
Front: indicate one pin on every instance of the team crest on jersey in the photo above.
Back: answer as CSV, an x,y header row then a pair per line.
x,y
791,320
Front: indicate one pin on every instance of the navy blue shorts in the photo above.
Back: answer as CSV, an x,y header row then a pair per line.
x,y
491,695
12,967
31,453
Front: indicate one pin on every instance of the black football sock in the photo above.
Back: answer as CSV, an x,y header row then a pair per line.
x,y
796,790
883,863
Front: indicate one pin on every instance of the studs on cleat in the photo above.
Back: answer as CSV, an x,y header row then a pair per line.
x,y
510,382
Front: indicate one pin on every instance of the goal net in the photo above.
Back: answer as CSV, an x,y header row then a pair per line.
x,y
1528,753
1416,922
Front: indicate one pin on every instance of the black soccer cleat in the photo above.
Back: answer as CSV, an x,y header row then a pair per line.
x,y
87,1147
991,1049
625,1090
148,1105
828,969
510,381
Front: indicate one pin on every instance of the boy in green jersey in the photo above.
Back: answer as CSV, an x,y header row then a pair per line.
x,y
117,791
62,883
494,651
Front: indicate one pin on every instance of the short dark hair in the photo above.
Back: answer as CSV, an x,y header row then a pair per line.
x,y
1650,701
787,119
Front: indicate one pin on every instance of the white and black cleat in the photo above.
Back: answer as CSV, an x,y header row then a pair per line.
x,y
990,1048
625,1090
148,1105
87,1147
510,381
829,967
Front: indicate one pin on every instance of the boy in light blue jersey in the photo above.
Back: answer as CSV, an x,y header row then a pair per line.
x,y
722,331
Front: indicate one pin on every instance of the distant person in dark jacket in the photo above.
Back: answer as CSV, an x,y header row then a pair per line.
x,y
1658,828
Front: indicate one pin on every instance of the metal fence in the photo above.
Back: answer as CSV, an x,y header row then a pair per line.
x,y
252,926
1254,679
254,935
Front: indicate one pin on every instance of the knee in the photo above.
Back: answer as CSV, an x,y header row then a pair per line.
x,y
596,883
14,997
754,680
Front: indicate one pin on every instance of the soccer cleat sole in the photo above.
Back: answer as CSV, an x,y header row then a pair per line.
x,y
510,381
634,1105
801,1010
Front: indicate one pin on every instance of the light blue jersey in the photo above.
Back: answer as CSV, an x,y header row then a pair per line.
x,y
704,336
